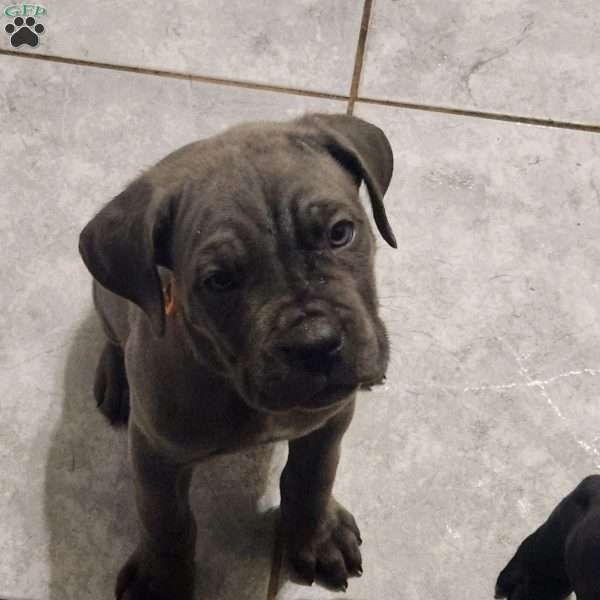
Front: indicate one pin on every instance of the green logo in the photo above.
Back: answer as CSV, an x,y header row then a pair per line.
x,y
25,10
24,29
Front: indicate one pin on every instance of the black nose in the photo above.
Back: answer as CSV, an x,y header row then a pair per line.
x,y
315,341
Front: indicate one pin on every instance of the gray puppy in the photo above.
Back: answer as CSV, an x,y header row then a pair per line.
x,y
251,259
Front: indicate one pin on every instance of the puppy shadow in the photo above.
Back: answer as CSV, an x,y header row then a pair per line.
x,y
284,572
89,503
287,574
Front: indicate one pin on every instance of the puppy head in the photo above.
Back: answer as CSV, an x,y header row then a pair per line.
x,y
271,250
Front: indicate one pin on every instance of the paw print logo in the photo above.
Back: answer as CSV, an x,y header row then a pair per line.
x,y
24,32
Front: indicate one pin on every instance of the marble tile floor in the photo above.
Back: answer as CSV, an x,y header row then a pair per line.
x,y
490,413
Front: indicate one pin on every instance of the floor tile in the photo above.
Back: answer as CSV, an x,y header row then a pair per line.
x,y
512,56
494,285
308,44
74,137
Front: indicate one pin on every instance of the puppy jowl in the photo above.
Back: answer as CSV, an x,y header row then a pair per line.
x,y
24,29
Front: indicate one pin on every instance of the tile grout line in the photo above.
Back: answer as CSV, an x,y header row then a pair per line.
x,y
265,87
360,55
492,116
276,562
479,114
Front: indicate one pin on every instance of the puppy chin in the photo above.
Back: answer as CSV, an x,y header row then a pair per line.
x,y
331,395
309,396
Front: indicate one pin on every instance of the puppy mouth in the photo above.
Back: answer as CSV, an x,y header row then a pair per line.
x,y
324,397
334,393
301,390
331,394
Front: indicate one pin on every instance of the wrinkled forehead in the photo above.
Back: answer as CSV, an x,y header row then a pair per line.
x,y
273,190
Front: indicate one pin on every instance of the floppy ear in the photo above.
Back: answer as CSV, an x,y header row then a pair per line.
x,y
365,151
122,245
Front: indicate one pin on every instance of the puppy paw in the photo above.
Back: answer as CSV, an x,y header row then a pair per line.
x,y
143,579
527,578
110,387
328,552
531,588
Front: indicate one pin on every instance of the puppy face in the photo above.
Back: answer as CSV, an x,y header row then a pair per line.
x,y
271,251
277,273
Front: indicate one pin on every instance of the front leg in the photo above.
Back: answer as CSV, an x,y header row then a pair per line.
x,y
322,537
162,566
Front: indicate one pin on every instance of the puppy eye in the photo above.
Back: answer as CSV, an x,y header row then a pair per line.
x,y
341,234
220,281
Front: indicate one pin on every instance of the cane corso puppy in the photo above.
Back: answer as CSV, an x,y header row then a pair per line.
x,y
563,555
234,281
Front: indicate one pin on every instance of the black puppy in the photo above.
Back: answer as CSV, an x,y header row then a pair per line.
x,y
563,555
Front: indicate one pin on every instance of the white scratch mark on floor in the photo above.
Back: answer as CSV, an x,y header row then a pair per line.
x,y
532,382
524,507
541,385
453,533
